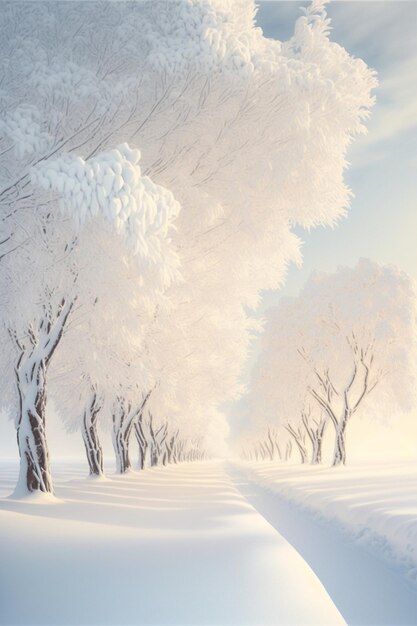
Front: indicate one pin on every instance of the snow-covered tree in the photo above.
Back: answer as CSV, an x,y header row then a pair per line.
x,y
239,204
279,395
46,289
347,344
39,296
368,314
263,444
248,135
105,337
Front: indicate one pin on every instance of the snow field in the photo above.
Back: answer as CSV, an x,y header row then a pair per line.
x,y
164,546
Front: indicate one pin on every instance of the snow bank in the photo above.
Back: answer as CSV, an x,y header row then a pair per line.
x,y
377,504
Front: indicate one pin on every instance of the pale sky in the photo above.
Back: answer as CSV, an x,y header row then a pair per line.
x,y
382,222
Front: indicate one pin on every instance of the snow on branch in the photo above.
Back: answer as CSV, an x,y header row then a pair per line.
x,y
111,184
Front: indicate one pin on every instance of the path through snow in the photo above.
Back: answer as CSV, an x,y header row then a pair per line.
x,y
168,546
366,590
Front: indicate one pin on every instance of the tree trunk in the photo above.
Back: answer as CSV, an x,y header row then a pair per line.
x,y
316,453
142,443
278,449
31,372
35,474
121,435
273,445
154,454
165,456
170,449
302,451
157,440
124,418
264,450
121,450
288,450
298,442
181,450
92,444
315,434
339,457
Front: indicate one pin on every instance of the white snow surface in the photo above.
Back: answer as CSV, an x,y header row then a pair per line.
x,y
177,545
376,505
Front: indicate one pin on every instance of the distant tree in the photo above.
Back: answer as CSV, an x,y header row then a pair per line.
x,y
279,395
265,444
367,317
346,344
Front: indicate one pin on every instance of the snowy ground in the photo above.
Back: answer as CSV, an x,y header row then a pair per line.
x,y
356,527
197,544
180,545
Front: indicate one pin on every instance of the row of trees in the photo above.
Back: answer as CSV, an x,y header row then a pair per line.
x,y
346,346
153,159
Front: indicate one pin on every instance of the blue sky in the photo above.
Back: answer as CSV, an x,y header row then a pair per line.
x,y
382,222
